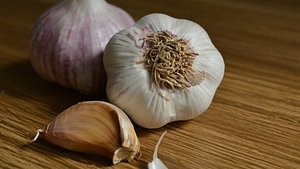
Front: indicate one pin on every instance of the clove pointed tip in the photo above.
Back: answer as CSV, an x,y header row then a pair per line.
x,y
37,135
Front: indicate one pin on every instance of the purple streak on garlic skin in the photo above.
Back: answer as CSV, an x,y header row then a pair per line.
x,y
69,39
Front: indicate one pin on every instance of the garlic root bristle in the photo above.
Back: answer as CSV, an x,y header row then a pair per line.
x,y
169,60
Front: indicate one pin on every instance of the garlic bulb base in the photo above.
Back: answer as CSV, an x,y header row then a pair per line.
x,y
169,60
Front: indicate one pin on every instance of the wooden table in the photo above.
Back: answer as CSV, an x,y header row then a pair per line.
x,y
253,122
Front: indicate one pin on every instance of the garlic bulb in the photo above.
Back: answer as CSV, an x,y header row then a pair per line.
x,y
94,127
161,70
156,163
68,41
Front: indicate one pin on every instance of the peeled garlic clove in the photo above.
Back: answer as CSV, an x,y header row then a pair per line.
x,y
157,163
162,69
94,127
68,41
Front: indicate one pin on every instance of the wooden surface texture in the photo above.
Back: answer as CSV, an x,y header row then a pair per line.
x,y
253,122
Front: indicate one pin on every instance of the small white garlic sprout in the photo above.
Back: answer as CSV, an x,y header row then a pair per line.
x,y
157,163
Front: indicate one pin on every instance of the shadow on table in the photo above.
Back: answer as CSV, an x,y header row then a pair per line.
x,y
21,81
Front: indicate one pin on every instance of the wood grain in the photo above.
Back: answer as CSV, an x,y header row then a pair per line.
x,y
253,122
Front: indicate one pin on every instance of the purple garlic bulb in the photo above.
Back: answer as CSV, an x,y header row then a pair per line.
x,y
68,41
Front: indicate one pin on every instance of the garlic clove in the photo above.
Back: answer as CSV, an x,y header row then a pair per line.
x,y
68,41
157,163
94,127
162,69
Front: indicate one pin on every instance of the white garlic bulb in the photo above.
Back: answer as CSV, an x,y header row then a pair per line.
x,y
68,42
162,69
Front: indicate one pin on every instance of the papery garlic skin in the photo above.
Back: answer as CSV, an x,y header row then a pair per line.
x,y
94,127
130,85
68,41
